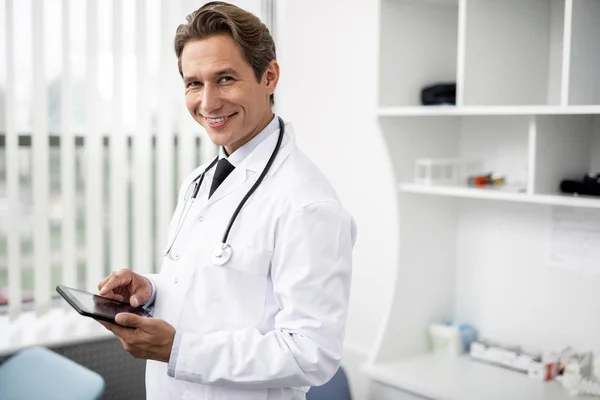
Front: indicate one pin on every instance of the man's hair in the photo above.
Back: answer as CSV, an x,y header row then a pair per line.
x,y
220,18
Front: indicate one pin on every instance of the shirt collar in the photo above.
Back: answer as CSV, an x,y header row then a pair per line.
x,y
240,154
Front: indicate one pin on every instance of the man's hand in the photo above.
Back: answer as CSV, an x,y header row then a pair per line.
x,y
125,285
150,339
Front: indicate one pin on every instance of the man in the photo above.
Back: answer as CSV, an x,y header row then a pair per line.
x,y
265,317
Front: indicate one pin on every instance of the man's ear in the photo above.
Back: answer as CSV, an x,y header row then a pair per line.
x,y
271,77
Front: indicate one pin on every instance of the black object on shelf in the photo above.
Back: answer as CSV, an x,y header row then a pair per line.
x,y
589,185
439,94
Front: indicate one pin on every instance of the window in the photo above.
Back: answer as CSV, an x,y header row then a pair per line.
x,y
176,144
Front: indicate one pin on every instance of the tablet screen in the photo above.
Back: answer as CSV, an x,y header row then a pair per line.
x,y
98,305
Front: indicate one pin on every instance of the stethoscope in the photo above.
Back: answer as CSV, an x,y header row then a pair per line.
x,y
222,254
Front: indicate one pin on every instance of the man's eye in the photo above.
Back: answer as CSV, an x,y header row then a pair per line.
x,y
194,83
226,79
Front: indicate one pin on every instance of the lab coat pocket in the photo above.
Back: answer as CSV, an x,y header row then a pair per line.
x,y
235,292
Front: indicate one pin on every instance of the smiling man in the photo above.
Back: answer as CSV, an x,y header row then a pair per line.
x,y
251,300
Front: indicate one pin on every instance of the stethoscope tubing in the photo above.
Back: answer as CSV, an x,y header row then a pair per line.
x,y
198,182
186,209
257,183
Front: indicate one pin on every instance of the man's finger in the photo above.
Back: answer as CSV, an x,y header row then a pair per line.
x,y
122,333
107,325
114,282
117,297
117,330
129,320
134,301
107,285
103,281
125,345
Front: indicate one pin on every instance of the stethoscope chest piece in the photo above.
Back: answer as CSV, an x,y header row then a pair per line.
x,y
222,254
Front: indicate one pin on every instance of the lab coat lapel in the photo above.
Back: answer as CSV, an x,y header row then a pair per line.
x,y
256,162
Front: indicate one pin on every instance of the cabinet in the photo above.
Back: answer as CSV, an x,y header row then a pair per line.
x,y
528,107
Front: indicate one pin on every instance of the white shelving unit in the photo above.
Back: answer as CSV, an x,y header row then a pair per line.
x,y
528,106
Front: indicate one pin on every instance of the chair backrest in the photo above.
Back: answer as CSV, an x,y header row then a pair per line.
x,y
38,373
337,388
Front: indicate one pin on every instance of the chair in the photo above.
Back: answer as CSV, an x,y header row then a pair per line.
x,y
38,373
336,389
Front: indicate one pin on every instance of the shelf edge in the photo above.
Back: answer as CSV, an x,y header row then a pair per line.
x,y
486,194
432,111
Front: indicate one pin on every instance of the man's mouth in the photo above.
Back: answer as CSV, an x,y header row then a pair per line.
x,y
218,122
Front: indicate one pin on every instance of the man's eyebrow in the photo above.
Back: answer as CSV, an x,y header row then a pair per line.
x,y
188,79
226,71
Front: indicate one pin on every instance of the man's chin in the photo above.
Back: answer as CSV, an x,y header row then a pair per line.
x,y
218,138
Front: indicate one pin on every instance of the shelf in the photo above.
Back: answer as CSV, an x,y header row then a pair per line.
x,y
431,111
460,378
498,195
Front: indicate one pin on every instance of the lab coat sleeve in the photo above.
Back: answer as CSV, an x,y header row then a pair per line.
x,y
311,274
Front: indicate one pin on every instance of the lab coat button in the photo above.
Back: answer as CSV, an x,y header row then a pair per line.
x,y
176,280
200,219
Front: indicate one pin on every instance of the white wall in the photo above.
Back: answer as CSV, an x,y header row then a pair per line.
x,y
328,90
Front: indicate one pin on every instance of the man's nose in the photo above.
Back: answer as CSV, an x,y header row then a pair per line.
x,y
211,100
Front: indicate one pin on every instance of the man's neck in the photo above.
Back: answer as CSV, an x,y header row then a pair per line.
x,y
264,122
243,151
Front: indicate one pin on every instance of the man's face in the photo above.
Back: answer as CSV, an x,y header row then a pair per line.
x,y
222,93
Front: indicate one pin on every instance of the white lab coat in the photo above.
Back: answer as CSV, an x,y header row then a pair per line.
x,y
270,323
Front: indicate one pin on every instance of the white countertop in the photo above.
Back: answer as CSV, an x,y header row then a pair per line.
x,y
460,378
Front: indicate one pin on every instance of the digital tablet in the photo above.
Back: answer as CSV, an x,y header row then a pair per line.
x,y
98,307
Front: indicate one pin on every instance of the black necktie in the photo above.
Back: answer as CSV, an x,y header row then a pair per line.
x,y
223,170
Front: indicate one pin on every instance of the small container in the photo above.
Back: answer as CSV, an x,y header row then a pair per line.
x,y
445,339
445,171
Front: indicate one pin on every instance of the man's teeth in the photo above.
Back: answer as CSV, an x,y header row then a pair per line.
x,y
216,120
